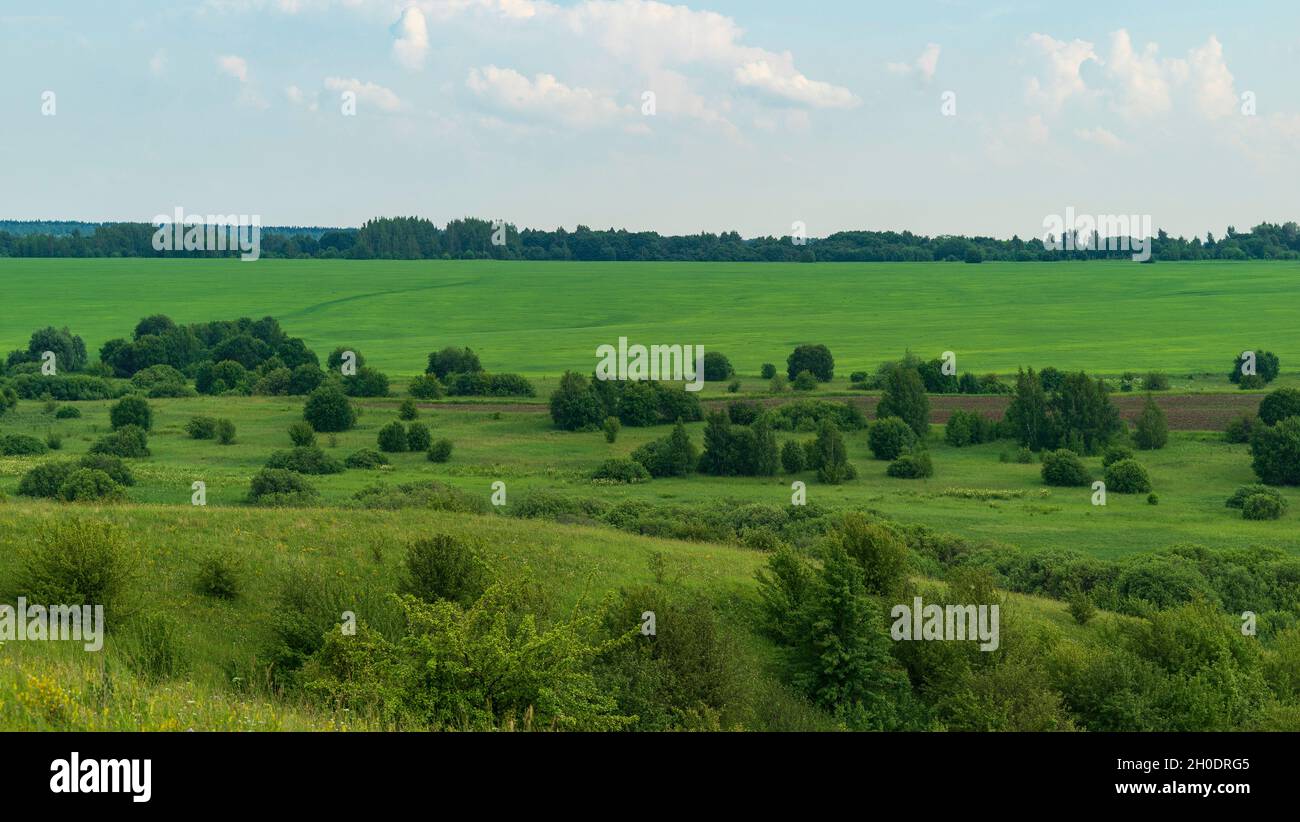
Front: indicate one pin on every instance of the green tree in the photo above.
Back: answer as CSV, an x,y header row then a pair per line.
x,y
904,397
1152,432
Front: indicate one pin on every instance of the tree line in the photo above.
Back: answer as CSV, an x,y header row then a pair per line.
x,y
415,238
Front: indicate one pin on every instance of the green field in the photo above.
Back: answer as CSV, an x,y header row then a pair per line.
x,y
544,318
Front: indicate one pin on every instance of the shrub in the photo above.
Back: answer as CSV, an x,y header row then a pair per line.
x,y
44,480
805,381
367,458
833,466
792,454
301,434
367,382
67,412
611,427
1239,497
1267,368
328,409
161,381
113,466
202,428
1152,432
621,470
911,466
154,648
1239,430
276,486
1261,506
968,428
1277,406
218,576
904,397
418,437
816,359
305,460
1252,382
671,456
131,411
1155,381
733,386
225,432
1064,468
1152,499
716,366
334,362
574,404
54,440
407,410
305,379
67,388
743,412
452,360
889,438
427,387
392,438
808,414
79,562
1024,456
129,441
768,371
1275,450
1127,477
443,567
1114,454
778,384
440,451
21,445
1081,607
90,485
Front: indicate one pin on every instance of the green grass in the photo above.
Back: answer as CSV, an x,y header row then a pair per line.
x,y
543,318
1192,476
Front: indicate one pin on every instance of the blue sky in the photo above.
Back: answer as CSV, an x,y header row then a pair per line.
x,y
829,113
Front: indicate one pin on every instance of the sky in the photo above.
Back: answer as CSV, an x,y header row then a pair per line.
x,y
936,117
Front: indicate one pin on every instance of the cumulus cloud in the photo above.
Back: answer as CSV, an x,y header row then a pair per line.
x,y
776,76
1212,83
543,97
368,94
1142,79
1064,78
923,67
412,38
233,66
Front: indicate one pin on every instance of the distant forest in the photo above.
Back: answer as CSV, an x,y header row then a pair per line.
x,y
413,238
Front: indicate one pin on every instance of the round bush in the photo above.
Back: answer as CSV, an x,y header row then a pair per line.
x,y
21,445
305,460
889,438
427,387
392,438
131,411
111,465
418,437
1239,497
276,486
1116,453
1275,452
407,411
621,470
716,366
328,409
911,466
201,428
301,434
1261,506
44,480
1277,406
67,412
129,441
792,457
90,485
1127,477
1064,468
440,451
367,458
225,432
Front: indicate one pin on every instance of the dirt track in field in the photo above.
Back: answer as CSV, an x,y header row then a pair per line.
x,y
1185,412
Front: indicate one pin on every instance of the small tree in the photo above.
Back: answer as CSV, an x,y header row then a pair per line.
x,y
1064,468
1152,432
1277,406
392,437
792,457
890,437
407,410
574,405
301,434
1275,450
716,366
131,411
612,427
814,358
328,409
904,397
418,437
832,457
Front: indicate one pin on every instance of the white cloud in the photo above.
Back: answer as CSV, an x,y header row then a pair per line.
x,y
1142,79
1212,82
367,93
924,66
158,63
777,76
412,43
1064,70
544,97
234,66
1099,136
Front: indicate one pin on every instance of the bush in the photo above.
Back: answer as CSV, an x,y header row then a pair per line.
x,y
1267,368
1114,454
768,371
832,464
911,466
392,438
113,466
443,567
621,470
202,428
305,379
792,457
733,386
407,410
440,451
1261,506
305,460
225,432
44,480
79,562
805,381
716,366
161,381
1239,430
1239,497
21,445
67,388
1252,382
889,438
816,359
574,404
778,384
301,434
452,360
328,409
1152,432
1276,452
671,456
1155,381
68,412
1152,499
1127,477
53,440
1081,607
367,458
1064,468
611,427
427,387
1277,406
131,411
218,576
276,486
904,397
743,412
129,441
418,437
90,485
968,428
367,382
